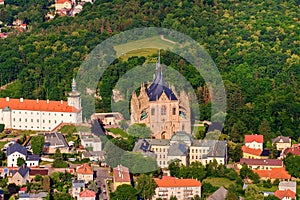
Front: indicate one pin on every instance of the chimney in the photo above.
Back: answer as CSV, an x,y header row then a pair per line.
x,y
7,98
21,100
61,102
37,100
47,100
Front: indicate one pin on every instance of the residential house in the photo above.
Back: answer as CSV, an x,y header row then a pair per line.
x,y
28,196
55,141
253,153
182,147
94,155
63,4
2,2
20,176
16,151
295,150
288,185
220,194
285,194
264,164
87,195
77,187
282,142
254,141
273,174
85,172
181,188
89,140
108,119
121,176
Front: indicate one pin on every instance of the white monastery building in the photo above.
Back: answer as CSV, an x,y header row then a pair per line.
x,y
40,115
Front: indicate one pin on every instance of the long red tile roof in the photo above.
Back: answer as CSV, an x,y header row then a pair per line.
x,y
36,105
121,174
168,181
252,138
87,193
285,193
295,150
274,173
251,151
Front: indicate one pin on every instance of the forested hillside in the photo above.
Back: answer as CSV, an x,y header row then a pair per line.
x,y
255,45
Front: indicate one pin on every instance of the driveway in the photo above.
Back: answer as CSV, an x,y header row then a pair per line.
x,y
101,176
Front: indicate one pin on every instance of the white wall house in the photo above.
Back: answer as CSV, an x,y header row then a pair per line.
x,y
41,115
16,151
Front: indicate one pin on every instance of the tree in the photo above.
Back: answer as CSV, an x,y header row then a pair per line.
x,y
232,193
20,161
265,130
196,197
146,186
292,163
139,131
123,124
125,191
93,186
273,151
271,197
1,126
46,183
252,192
57,154
13,188
37,144
173,197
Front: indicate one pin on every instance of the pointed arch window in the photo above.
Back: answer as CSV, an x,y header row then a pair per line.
x,y
163,110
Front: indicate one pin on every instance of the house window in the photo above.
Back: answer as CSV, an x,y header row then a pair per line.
x,y
37,120
25,120
174,111
163,110
152,111
31,120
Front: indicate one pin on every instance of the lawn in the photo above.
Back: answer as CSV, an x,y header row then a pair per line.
x,y
2,144
144,47
118,131
272,189
218,182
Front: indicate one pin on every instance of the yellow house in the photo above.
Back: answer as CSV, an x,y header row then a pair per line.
x,y
121,176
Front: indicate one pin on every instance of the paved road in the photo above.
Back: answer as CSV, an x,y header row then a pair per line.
x,y
101,177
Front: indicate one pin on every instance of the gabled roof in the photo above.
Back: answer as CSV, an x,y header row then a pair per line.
x,y
87,193
177,149
121,174
33,157
23,170
220,194
168,181
285,193
281,139
16,147
263,162
295,150
63,1
252,138
256,152
78,184
37,105
85,169
274,173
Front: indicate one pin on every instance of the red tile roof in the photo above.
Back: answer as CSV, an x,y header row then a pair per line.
x,y
87,193
295,150
23,189
121,174
168,181
37,105
285,193
252,138
63,1
251,151
264,162
274,173
85,169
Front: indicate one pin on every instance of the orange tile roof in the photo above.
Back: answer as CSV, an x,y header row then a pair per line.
x,y
63,1
251,151
85,169
121,174
285,193
274,173
168,181
37,105
252,138
87,193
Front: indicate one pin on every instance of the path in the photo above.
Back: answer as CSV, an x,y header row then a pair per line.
x,y
3,87
163,38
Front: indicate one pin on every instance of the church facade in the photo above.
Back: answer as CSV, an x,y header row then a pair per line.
x,y
40,115
161,108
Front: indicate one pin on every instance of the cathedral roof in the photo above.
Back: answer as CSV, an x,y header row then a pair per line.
x,y
159,86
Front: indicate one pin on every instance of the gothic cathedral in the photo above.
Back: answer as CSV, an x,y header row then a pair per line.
x,y
161,108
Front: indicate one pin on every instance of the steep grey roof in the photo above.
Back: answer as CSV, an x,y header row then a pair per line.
x,y
23,170
219,149
282,138
182,136
220,194
55,139
159,86
177,149
78,183
16,147
33,157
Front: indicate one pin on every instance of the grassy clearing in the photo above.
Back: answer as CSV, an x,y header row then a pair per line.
x,y
218,182
2,144
272,189
118,131
144,47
